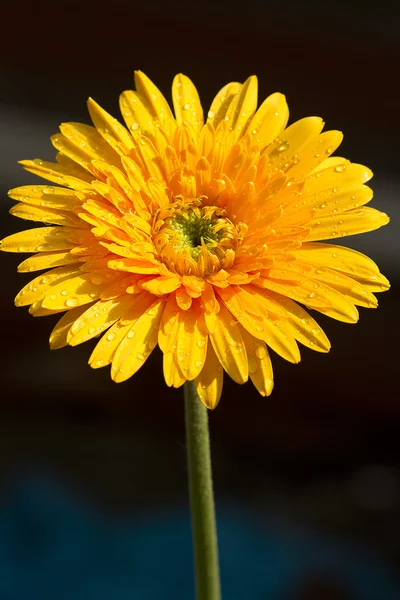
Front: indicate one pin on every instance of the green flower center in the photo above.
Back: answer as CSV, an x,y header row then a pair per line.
x,y
192,229
194,239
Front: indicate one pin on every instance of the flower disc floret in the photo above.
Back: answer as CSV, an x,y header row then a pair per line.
x,y
196,240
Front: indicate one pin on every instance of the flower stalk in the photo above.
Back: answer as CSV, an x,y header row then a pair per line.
x,y
204,530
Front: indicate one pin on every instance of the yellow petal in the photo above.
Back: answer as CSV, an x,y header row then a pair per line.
x,y
209,382
133,266
89,143
40,286
284,150
138,343
222,102
338,306
46,215
47,196
186,102
183,299
303,293
314,153
172,373
331,202
156,101
97,318
260,366
136,112
302,326
58,337
349,223
269,121
162,285
105,349
278,337
169,326
350,288
243,107
78,289
250,307
70,175
229,347
345,260
110,129
46,260
341,175
191,343
41,239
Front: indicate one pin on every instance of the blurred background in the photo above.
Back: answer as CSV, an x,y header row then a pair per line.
x,y
93,474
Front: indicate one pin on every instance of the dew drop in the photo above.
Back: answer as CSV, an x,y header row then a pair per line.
x,y
110,336
200,343
91,330
64,292
70,302
324,205
135,126
96,279
131,334
340,169
186,106
312,295
260,352
284,146
198,363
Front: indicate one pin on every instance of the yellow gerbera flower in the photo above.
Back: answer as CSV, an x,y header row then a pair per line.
x,y
199,237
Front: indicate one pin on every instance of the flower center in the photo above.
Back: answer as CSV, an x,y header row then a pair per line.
x,y
195,240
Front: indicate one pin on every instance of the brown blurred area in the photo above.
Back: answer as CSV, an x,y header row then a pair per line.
x,y
323,450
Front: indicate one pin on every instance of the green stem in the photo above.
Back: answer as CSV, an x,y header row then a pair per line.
x,y
201,497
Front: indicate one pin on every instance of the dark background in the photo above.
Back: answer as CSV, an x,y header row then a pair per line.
x,y
323,451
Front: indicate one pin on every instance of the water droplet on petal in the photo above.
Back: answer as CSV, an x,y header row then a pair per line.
x,y
96,279
284,146
260,352
70,302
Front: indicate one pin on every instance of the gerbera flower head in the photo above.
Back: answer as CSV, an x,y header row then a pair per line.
x,y
201,237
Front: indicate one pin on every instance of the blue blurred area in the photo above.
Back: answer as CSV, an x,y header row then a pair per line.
x,y
53,547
